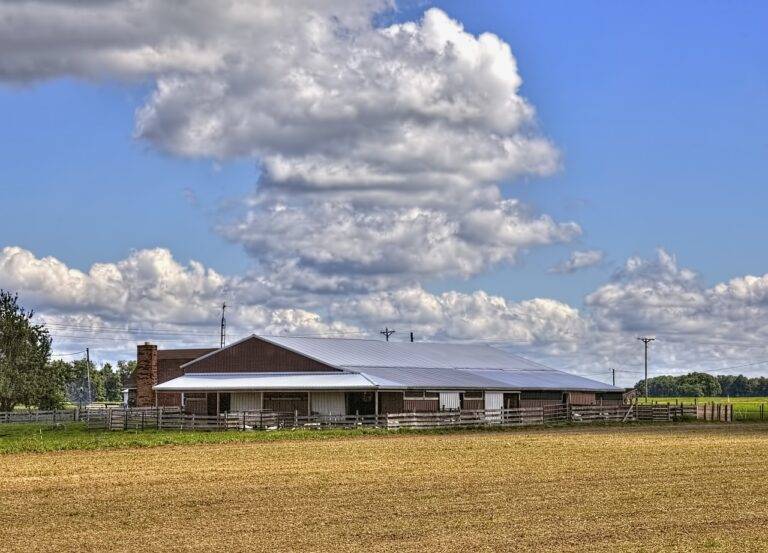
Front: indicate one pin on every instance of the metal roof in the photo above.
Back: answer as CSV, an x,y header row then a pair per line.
x,y
376,364
543,380
387,378
265,381
346,353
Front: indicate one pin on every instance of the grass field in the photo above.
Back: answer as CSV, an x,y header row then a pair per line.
x,y
39,438
682,487
744,408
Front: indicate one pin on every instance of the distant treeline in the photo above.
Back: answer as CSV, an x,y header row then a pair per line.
x,y
703,384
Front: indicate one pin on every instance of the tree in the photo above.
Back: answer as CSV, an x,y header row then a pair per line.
x,y
53,389
26,376
113,385
78,386
125,370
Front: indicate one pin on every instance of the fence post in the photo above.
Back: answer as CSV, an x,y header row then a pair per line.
x,y
125,420
295,418
243,416
142,419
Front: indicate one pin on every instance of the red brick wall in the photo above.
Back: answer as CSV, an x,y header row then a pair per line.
x,y
169,399
146,374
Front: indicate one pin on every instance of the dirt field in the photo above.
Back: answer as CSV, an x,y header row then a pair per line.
x,y
672,488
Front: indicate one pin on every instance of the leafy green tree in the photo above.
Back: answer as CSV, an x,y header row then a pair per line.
x,y
26,376
708,384
78,386
113,386
689,389
125,370
741,386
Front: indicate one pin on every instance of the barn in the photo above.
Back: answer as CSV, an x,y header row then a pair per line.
x,y
332,376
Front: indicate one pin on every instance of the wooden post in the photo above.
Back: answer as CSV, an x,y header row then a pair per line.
x,y
376,404
218,403
295,418
309,404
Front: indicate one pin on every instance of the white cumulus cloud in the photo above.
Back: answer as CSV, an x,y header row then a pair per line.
x,y
579,260
378,145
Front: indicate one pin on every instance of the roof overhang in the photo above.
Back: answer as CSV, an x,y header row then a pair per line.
x,y
384,379
232,382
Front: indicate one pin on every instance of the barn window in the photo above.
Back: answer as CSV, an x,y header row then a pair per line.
x,y
476,394
284,396
420,395
541,395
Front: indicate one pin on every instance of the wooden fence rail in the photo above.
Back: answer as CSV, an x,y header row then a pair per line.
x,y
55,417
174,419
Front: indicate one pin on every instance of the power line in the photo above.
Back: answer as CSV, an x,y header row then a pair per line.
x,y
87,330
68,354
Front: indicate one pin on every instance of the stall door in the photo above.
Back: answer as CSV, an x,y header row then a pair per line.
x,y
450,401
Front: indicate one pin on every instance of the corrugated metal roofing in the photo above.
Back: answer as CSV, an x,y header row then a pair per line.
x,y
399,365
340,352
415,377
265,381
543,380
387,378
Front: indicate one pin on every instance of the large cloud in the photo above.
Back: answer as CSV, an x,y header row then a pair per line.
x,y
146,288
334,247
378,145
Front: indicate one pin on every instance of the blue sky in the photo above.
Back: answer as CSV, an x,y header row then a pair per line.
x,y
657,109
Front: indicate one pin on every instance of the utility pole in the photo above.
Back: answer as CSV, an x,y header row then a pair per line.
x,y
387,333
223,325
613,373
411,336
646,341
88,373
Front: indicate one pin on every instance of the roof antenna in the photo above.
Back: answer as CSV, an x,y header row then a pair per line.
x,y
387,333
223,325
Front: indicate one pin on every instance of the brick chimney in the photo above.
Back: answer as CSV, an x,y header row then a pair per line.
x,y
146,374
